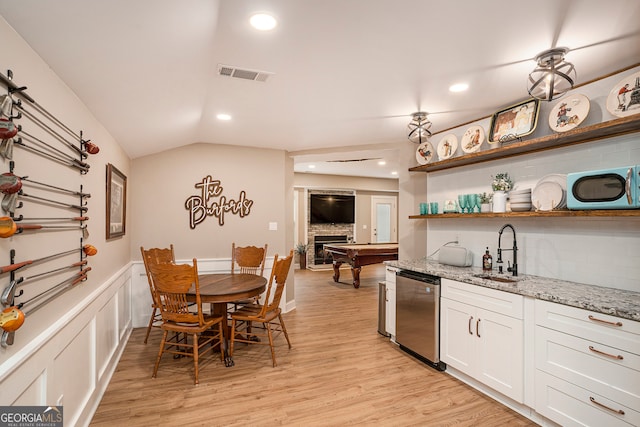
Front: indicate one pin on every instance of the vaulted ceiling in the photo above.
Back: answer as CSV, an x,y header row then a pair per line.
x,y
342,76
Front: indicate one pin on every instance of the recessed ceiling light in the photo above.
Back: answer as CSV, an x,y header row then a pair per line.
x,y
312,166
382,163
223,117
263,21
394,173
458,87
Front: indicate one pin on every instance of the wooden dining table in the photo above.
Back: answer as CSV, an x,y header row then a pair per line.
x,y
218,289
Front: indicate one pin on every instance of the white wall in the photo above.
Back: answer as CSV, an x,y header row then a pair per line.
x,y
65,351
600,251
163,182
412,235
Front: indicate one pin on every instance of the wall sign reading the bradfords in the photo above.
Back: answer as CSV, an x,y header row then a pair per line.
x,y
211,202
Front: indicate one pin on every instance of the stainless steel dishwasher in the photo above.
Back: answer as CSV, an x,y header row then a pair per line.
x,y
418,316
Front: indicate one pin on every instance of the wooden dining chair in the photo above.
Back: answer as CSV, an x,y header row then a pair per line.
x,y
155,256
171,284
268,314
247,260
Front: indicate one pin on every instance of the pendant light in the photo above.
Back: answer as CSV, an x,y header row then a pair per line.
x,y
553,76
419,128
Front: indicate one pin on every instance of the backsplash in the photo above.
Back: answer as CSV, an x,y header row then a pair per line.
x,y
601,251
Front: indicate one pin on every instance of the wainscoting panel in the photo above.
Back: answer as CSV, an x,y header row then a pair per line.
x,y
71,362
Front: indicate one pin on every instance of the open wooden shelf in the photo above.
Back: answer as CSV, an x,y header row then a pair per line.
x,y
536,214
575,136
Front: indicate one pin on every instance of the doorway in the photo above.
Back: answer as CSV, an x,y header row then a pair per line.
x,y
384,219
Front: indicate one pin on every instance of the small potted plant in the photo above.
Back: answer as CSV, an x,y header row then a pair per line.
x,y
301,250
485,202
502,183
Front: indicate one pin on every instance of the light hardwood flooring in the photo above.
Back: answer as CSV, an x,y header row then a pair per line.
x,y
340,371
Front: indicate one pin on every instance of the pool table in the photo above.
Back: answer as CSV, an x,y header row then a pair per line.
x,y
358,255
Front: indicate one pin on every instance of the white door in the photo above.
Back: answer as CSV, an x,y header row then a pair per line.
x,y
384,215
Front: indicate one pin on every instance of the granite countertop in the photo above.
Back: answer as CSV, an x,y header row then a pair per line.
x,y
615,302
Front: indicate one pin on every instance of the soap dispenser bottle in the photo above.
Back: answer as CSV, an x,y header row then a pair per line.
x,y
487,261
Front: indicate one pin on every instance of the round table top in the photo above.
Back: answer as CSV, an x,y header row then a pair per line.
x,y
226,287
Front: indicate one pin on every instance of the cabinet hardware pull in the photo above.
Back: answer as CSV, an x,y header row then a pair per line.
x,y
613,356
470,319
478,328
595,319
618,411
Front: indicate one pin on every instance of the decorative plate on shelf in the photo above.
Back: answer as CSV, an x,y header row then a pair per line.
x,y
472,139
547,196
424,153
624,98
447,146
561,180
569,113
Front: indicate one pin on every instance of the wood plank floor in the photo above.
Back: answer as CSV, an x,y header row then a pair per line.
x,y
340,371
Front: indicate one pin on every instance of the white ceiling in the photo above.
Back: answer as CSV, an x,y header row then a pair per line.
x,y
347,74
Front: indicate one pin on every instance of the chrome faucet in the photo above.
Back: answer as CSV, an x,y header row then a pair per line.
x,y
514,269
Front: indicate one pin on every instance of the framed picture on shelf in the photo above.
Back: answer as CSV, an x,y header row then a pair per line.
x,y
514,121
116,202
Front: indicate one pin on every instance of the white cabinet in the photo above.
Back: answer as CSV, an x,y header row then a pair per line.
x,y
390,318
481,335
587,367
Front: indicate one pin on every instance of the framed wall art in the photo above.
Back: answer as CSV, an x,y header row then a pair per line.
x,y
116,202
514,121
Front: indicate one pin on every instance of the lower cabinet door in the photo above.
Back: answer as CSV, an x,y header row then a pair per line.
x,y
500,353
484,345
390,318
457,335
390,312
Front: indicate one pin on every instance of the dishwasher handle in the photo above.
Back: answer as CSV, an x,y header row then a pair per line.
x,y
422,277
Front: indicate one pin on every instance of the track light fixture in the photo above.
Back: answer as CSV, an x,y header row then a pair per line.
x,y
419,128
553,76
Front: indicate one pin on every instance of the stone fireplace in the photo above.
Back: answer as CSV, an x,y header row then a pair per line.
x,y
319,234
319,256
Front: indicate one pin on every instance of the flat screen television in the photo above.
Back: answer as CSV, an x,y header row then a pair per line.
x,y
332,209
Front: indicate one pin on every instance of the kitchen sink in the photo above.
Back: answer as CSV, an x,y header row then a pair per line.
x,y
495,278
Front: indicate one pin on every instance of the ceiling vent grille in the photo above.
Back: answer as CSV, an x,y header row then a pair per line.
x,y
242,73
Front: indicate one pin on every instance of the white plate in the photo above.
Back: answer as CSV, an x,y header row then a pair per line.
x,y
569,113
561,180
547,196
472,139
447,146
424,153
620,96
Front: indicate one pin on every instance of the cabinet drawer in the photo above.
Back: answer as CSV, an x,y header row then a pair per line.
x,y
489,299
613,331
608,371
570,405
